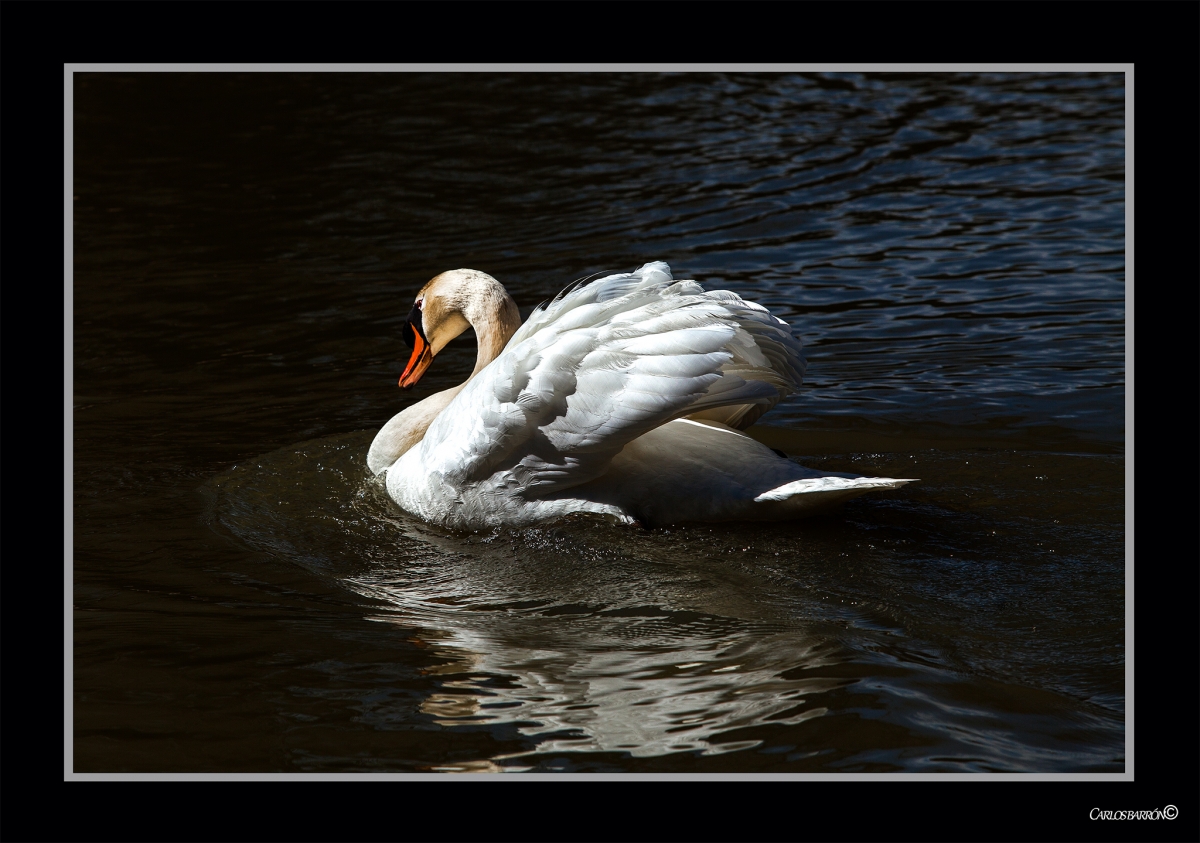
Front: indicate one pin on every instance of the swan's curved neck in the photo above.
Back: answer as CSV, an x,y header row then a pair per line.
x,y
493,314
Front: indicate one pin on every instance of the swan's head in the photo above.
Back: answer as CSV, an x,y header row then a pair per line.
x,y
448,305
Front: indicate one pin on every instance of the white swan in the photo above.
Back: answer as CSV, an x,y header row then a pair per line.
x,y
622,397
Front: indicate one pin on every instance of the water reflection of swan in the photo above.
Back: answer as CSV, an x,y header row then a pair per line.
x,y
623,397
592,687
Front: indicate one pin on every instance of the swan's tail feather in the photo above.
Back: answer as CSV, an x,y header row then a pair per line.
x,y
812,495
819,485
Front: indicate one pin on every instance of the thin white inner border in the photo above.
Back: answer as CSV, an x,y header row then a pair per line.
x,y
68,411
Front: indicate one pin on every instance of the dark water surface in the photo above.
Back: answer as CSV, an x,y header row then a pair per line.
x,y
949,248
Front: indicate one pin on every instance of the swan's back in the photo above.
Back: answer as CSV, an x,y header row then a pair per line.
x,y
762,349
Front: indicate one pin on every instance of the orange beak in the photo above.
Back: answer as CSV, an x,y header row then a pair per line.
x,y
422,354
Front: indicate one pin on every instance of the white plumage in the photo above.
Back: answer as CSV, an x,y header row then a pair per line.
x,y
620,397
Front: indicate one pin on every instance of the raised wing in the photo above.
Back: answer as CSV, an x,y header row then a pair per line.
x,y
601,365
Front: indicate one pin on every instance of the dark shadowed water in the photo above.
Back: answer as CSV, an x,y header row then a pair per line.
x,y
949,248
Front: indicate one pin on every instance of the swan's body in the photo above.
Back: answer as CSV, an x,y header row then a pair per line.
x,y
620,398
